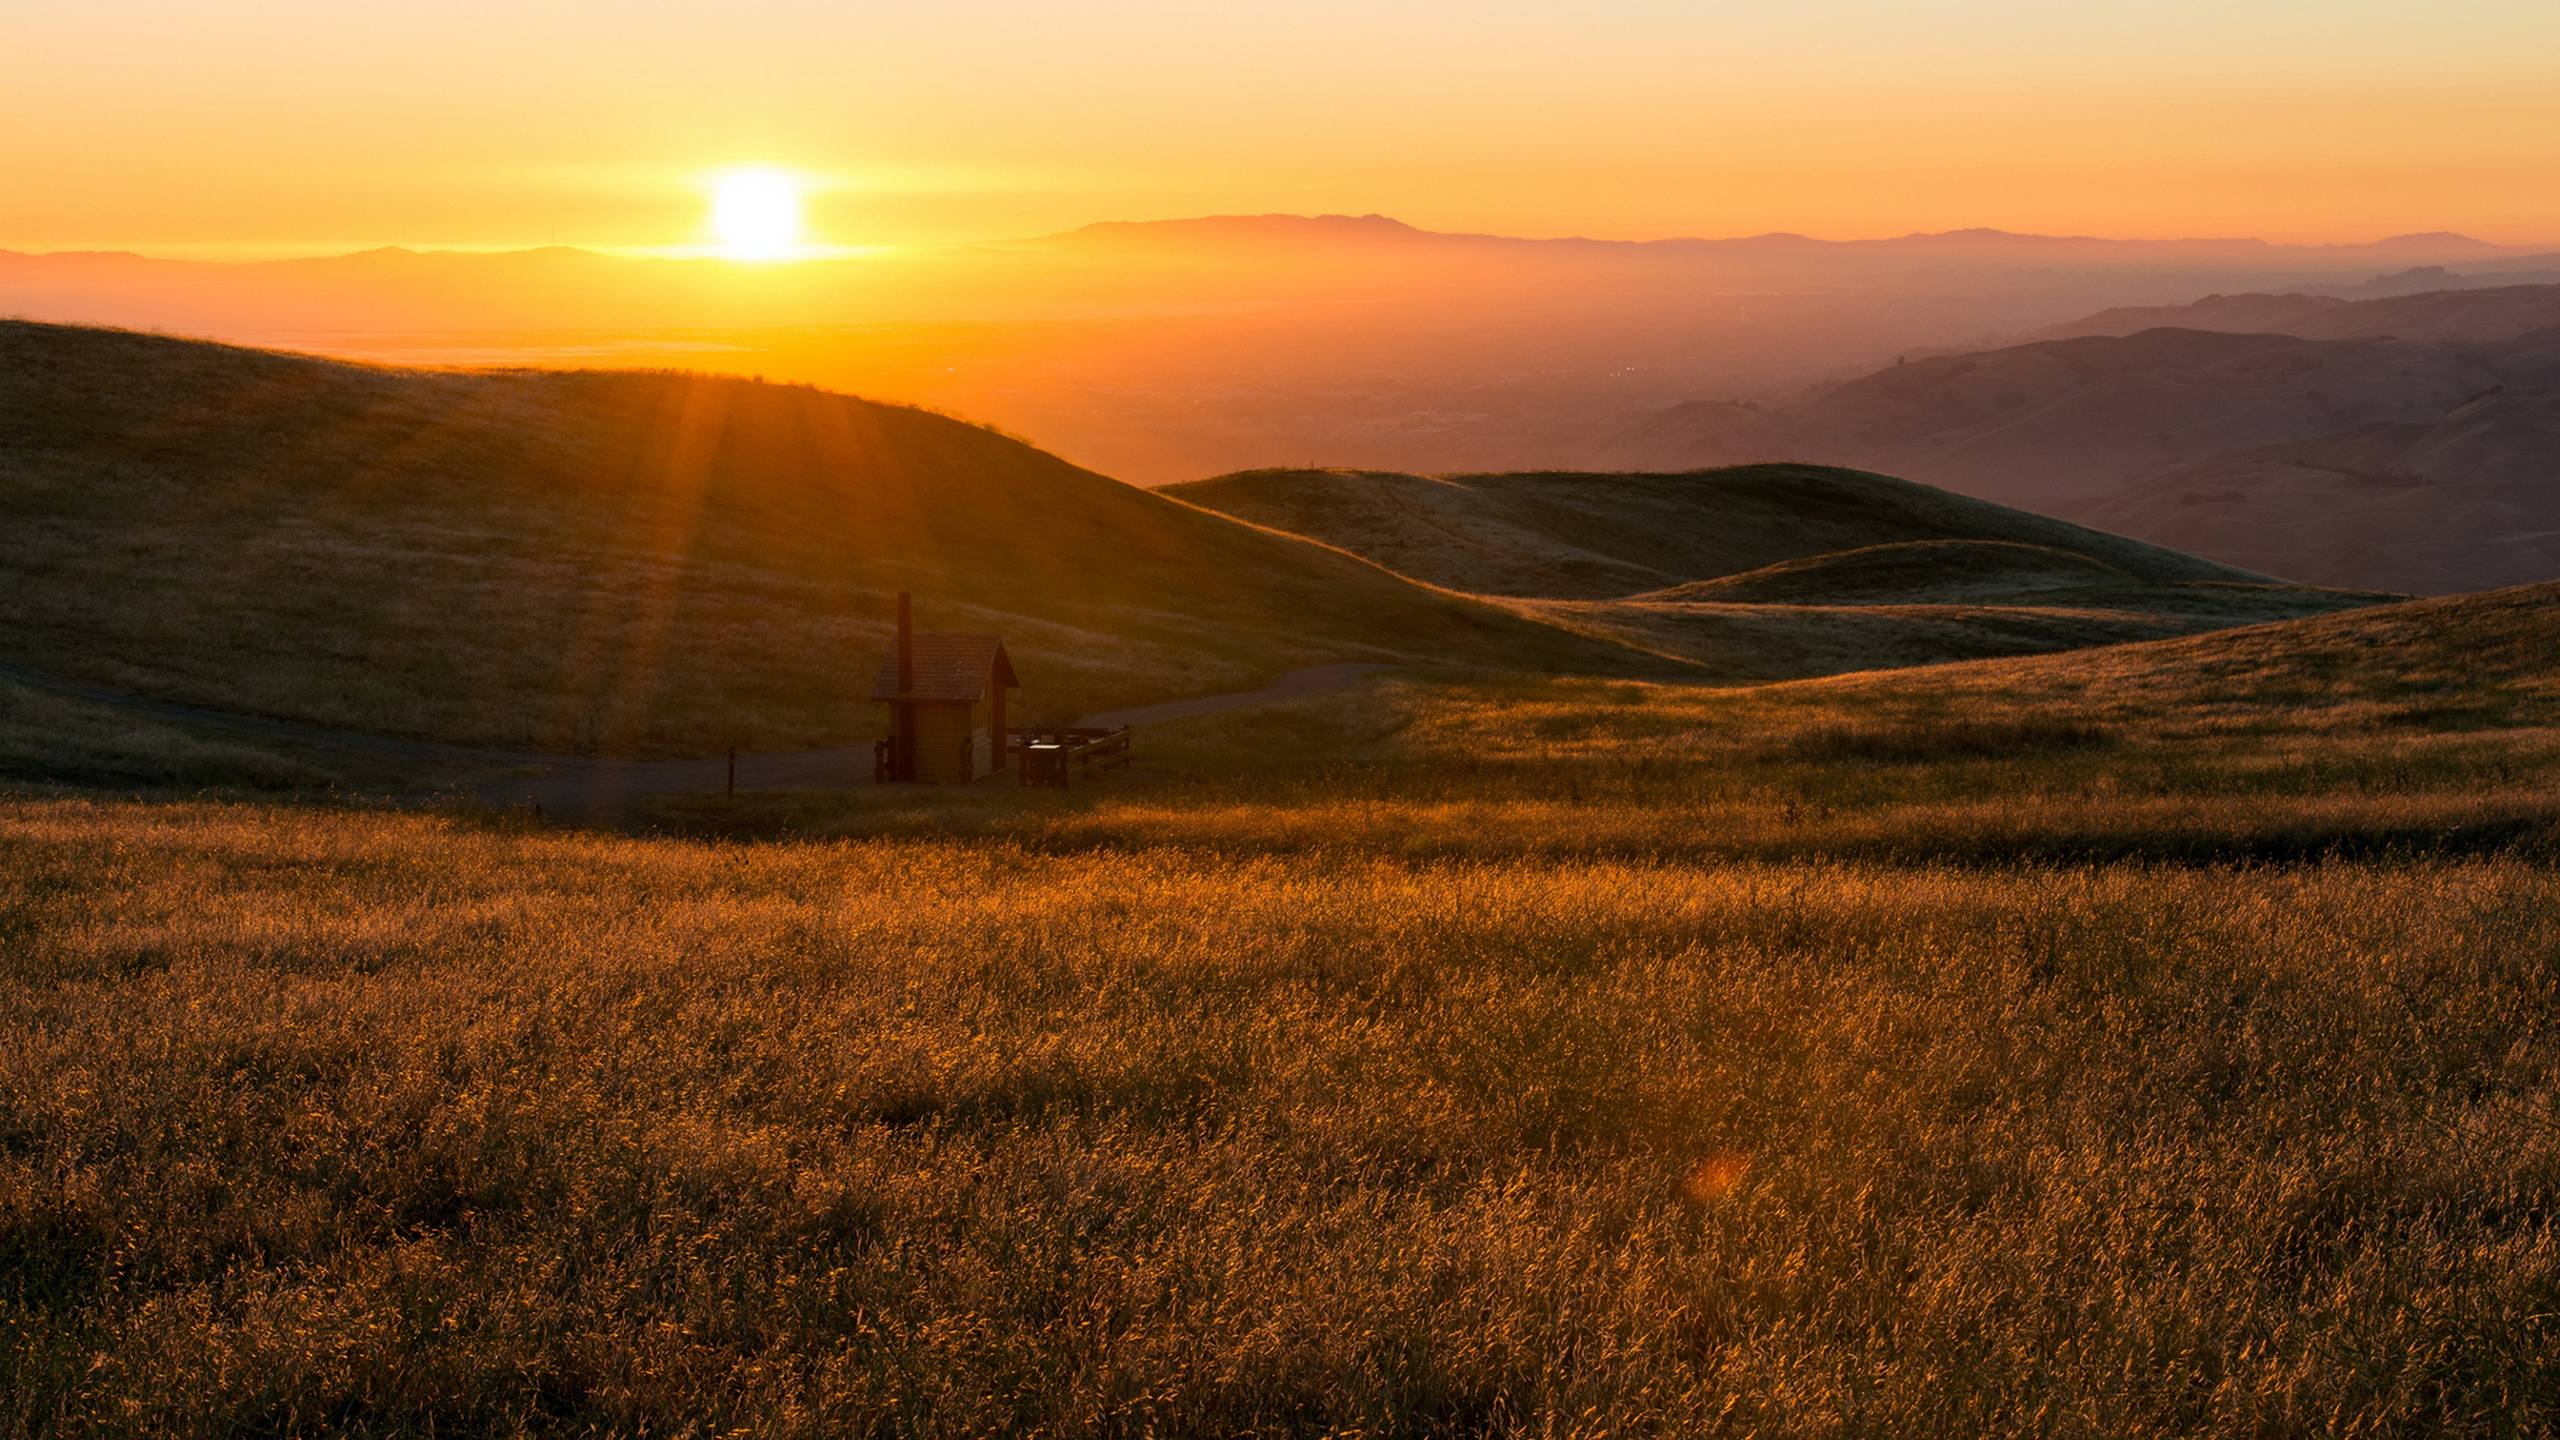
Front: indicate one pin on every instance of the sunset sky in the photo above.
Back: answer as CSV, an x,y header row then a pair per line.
x,y
262,127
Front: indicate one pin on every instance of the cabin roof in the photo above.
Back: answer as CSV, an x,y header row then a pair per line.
x,y
949,666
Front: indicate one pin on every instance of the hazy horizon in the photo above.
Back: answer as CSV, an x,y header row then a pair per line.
x,y
219,254
285,124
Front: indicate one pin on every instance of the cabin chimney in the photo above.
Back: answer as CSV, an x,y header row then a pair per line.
x,y
906,645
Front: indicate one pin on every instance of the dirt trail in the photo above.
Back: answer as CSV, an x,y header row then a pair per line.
x,y
1296,685
590,789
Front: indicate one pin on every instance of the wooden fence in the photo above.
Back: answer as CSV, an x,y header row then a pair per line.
x,y
1058,756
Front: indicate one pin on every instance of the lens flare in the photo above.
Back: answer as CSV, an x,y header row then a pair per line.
x,y
1714,1177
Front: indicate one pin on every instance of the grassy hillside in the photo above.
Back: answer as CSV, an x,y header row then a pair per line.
x,y
2459,662
2426,727
1768,571
2151,1041
617,561
1601,536
1888,606
1765,640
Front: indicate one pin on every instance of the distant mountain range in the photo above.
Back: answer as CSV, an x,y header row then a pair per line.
x,y
1998,246
1237,259
2403,443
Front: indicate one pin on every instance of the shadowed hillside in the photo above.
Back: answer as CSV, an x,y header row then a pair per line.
x,y
618,560
2060,423
2501,312
657,563
2406,443
1599,536
1768,572
2463,501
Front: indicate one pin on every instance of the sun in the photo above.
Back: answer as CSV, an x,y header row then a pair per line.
x,y
756,214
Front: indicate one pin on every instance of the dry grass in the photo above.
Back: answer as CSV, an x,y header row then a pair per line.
x,y
1939,738
1764,641
408,1127
2158,1041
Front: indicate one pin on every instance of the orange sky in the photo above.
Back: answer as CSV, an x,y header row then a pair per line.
x,y
294,126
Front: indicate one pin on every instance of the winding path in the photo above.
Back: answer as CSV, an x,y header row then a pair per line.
x,y
591,789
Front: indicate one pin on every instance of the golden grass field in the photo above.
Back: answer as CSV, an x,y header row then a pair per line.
x,y
2152,1040
409,1126
2162,1040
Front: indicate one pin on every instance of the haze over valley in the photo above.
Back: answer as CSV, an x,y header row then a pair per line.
x,y
1172,350
2312,416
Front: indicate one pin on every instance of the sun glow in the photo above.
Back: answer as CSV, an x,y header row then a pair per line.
x,y
756,214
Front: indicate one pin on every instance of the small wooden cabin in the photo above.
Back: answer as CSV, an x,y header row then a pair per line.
x,y
945,694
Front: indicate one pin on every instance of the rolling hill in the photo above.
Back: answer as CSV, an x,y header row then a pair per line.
x,y
1767,571
1573,536
2057,424
2390,674
2497,312
657,563
2405,443
625,562
2463,502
